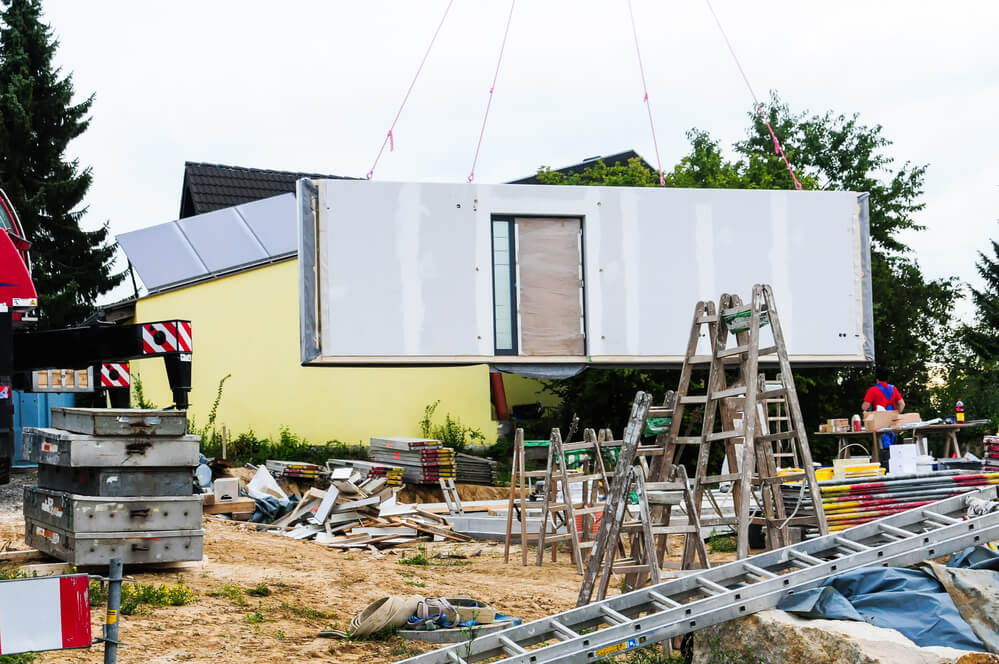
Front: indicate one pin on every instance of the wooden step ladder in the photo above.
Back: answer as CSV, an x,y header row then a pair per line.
x,y
559,509
643,564
740,406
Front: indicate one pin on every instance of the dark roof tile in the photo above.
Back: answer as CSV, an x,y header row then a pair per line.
x,y
209,187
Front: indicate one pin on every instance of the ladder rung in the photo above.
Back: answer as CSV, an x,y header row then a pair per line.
x,y
662,599
453,656
674,530
850,544
710,585
665,499
735,350
804,557
781,435
897,532
942,518
768,350
723,435
694,399
664,486
592,509
618,618
549,538
659,411
699,359
758,571
687,440
715,479
707,318
536,473
563,631
737,391
575,447
512,647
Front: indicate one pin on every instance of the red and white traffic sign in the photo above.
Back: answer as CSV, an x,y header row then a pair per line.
x,y
115,374
4,391
46,613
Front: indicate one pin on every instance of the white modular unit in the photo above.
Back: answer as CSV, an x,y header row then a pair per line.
x,y
446,274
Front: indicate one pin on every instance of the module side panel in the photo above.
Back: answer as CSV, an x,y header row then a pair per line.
x,y
404,271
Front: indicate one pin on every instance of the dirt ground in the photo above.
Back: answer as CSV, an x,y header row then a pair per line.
x,y
312,588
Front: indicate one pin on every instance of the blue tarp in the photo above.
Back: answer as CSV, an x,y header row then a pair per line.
x,y
910,601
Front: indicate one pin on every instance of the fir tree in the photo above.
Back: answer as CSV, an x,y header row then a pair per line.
x,y
38,119
983,337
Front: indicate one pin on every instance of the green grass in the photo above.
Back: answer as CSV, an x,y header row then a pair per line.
x,y
721,543
136,595
418,558
259,590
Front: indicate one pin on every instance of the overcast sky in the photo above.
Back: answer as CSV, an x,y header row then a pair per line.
x,y
314,86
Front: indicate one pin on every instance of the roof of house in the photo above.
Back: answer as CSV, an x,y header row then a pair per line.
x,y
209,187
610,160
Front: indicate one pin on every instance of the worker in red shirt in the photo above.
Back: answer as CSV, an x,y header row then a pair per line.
x,y
884,395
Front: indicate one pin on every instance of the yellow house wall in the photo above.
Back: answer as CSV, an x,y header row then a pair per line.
x,y
247,325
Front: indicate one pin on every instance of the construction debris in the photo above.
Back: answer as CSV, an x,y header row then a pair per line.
x,y
358,510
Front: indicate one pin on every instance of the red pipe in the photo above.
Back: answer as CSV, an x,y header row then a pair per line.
x,y
498,393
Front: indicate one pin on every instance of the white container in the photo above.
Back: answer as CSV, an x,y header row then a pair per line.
x,y
925,463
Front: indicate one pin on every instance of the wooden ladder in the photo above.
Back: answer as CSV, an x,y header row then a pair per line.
x,y
746,397
559,509
519,491
643,565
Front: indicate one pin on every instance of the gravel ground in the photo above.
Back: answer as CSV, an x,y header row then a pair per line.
x,y
12,495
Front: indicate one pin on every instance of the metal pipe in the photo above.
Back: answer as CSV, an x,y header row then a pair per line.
x,y
114,606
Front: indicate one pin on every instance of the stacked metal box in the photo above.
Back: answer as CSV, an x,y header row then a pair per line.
x,y
113,483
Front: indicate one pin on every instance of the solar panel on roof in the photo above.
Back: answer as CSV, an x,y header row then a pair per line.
x,y
213,243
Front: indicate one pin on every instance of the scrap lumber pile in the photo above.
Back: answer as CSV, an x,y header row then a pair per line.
x,y
991,463
423,461
356,512
472,469
860,500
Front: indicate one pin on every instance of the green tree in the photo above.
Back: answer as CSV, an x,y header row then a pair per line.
x,y
828,151
971,370
911,313
982,338
38,119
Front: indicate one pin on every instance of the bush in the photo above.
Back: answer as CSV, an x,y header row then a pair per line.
x,y
452,433
248,447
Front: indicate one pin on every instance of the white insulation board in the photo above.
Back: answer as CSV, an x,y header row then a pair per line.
x,y
401,273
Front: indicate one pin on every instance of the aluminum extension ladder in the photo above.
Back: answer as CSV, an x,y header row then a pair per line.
x,y
686,604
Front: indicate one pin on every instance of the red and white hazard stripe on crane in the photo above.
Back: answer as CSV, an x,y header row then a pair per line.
x,y
48,613
167,337
115,374
184,335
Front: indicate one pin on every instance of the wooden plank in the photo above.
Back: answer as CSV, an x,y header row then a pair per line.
x,y
230,506
22,556
435,530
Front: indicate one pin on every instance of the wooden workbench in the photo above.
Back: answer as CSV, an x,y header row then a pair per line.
x,y
948,431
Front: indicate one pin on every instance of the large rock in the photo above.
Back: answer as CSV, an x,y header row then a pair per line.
x,y
776,637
